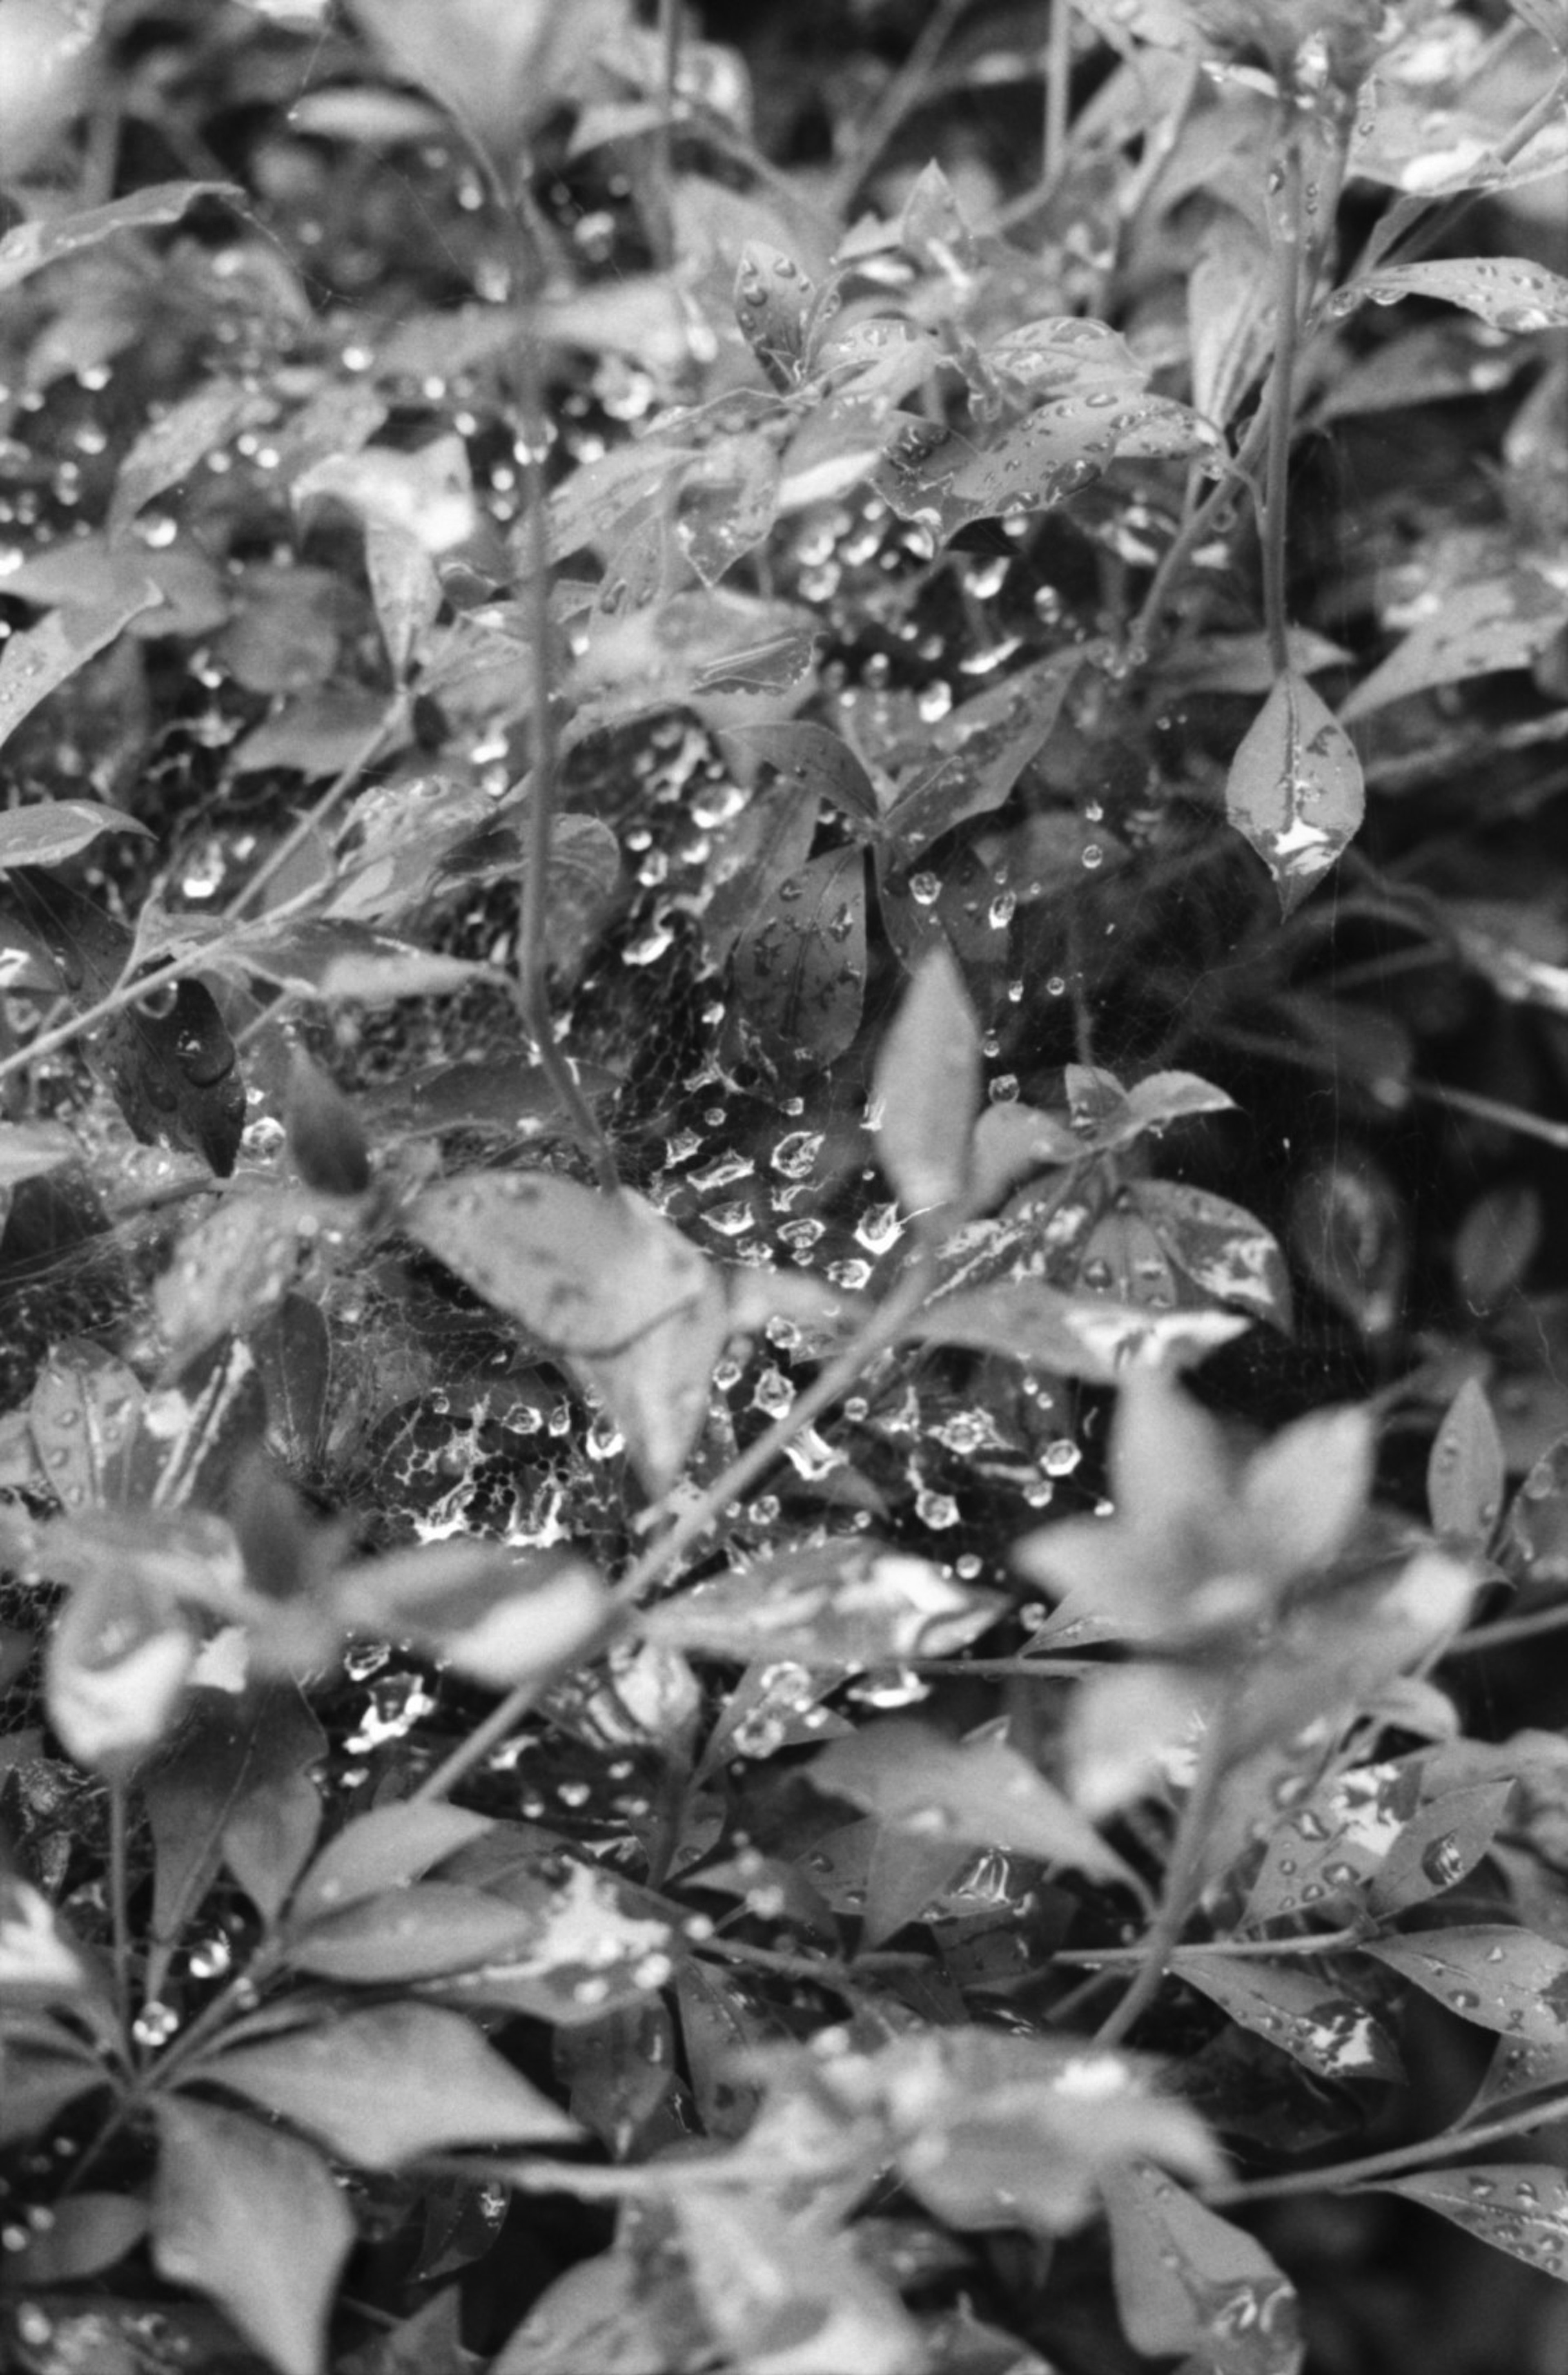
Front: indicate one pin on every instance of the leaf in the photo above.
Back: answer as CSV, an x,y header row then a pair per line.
x,y
772,305
849,1604
1349,1230
170,448
791,2296
118,1664
657,1387
1230,308
32,245
1301,2012
1466,1472
926,1089
34,665
1495,1244
581,1945
497,1615
1547,18
590,1273
383,2087
1223,1249
383,1849
799,971
45,832
87,2233
28,1149
1294,791
981,748
83,1413
1443,1841
812,759
174,1071
232,1268
38,1963
418,1933
766,846
253,2219
939,480
1079,1335
404,588
330,959
727,502
1469,630
1505,291
979,1791
1500,1978
1187,2281
1520,2208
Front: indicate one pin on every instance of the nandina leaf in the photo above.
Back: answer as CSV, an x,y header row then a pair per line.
x,y
925,1091
852,1603
407,1934
1520,2208
383,1849
1466,1472
383,2086
170,448
32,245
982,1792
253,2219
1500,1978
47,830
1505,291
1189,2282
1444,1840
1294,790
1305,2015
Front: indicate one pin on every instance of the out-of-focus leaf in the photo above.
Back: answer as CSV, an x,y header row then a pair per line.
x,y
1294,791
383,1849
1222,1248
1188,2282
1079,1335
791,2296
34,664
493,1614
254,2220
1470,631
383,2086
1495,1244
170,448
1467,1472
1230,306
1347,1229
772,305
32,245
849,1604
419,1932
979,1791
926,1090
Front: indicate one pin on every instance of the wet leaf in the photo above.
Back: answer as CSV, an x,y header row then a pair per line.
x,y
33,665
1301,2012
772,305
405,589
1505,291
980,1792
850,1604
32,245
1520,2208
168,449
1221,1247
1348,1227
380,1850
254,2220
1077,1335
799,970
1443,1841
1500,1978
384,2085
1187,2281
47,830
792,2293
981,748
1467,1472
1294,791
418,1933
495,1615
1469,630
811,758
728,502
39,1963
926,1090
83,1413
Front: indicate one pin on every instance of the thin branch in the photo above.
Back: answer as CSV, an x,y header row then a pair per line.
x,y
1182,1873
1286,226
1346,2174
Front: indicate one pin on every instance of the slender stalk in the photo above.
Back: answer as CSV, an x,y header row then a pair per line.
x,y
502,1718
1286,224
125,993
900,94
1319,1941
1505,1633
1393,2163
671,33
1507,1116
1058,76
120,1894
1182,1875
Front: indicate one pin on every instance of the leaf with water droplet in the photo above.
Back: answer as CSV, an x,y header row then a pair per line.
x,y
811,758
1498,1977
1520,2208
854,1603
800,969
32,245
1466,1472
773,299
1504,291
1294,791
1314,2019
1444,1840
1476,630
1189,2283
981,1790
981,748
1225,1251
169,448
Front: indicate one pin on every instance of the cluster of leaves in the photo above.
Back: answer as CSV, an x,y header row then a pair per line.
x,y
563,1803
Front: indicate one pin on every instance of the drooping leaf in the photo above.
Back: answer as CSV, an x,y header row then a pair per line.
x,y
980,1791
387,2085
1307,2014
1500,1978
252,2218
1520,2208
34,664
1294,790
1466,1472
1188,2281
981,748
32,245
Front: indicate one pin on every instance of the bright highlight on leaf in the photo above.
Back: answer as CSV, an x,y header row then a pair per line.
x,y
1294,790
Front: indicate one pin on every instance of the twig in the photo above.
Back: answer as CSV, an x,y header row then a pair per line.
x,y
1181,1878
383,735
1286,224
1347,2174
1058,78
899,95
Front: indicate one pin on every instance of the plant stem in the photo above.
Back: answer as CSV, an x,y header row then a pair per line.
x,y
1286,228
1181,1877
1058,76
1320,1942
504,1718
1503,1635
120,1894
1351,2173
671,33
899,94
125,993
